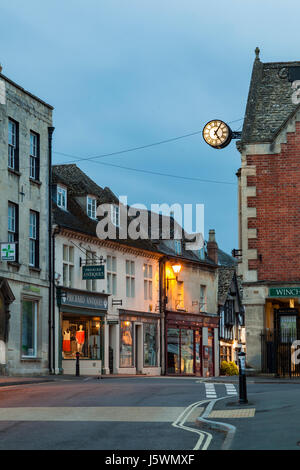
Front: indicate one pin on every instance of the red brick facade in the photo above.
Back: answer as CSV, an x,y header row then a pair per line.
x,y
277,203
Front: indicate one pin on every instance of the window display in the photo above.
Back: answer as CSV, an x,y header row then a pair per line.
x,y
150,344
81,335
126,344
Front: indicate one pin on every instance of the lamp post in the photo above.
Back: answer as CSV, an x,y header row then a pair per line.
x,y
242,378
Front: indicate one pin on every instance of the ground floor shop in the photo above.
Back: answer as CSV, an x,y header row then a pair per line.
x,y
191,344
82,320
23,328
133,340
272,326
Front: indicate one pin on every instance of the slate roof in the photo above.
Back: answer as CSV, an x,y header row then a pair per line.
x,y
226,260
75,218
269,103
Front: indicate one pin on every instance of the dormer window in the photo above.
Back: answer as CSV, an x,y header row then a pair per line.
x,y
61,197
115,215
91,207
177,247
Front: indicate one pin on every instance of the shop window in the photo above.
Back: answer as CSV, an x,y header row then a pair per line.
x,y
126,344
187,351
147,268
81,335
150,344
68,265
29,328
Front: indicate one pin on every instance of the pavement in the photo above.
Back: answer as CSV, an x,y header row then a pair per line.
x,y
26,380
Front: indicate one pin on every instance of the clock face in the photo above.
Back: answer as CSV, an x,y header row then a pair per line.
x,y
217,134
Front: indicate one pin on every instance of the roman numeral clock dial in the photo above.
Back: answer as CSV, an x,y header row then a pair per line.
x,y
217,134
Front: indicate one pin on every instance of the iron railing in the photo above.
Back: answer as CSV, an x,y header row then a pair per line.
x,y
280,354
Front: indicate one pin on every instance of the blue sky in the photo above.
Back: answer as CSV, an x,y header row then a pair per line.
x,y
123,74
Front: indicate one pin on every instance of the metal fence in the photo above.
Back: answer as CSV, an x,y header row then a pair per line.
x,y
279,354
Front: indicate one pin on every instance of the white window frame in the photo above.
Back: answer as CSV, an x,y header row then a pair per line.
x,y
34,155
12,144
203,300
11,222
32,237
61,197
91,284
68,267
148,276
111,269
91,207
115,215
130,278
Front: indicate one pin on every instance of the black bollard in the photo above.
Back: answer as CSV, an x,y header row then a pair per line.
x,y
77,364
242,378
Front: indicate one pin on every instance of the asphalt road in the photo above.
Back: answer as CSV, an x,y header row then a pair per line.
x,y
148,414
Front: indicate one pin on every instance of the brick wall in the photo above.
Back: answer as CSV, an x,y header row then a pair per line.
x,y
277,203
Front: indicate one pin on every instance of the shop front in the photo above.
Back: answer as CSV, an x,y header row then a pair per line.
x,y
282,321
191,344
139,334
82,323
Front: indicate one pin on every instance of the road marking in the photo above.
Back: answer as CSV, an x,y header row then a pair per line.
x,y
105,413
184,417
210,391
240,413
230,389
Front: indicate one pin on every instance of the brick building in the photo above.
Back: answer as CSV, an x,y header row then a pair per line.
x,y
269,215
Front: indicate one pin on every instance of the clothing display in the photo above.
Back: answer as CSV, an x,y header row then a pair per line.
x,y
66,341
80,336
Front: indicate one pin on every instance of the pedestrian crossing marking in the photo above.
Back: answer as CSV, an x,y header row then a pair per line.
x,y
104,413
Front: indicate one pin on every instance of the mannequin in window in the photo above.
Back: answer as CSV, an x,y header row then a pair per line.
x,y
67,340
80,338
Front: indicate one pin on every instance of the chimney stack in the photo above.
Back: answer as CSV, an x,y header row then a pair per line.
x,y
212,246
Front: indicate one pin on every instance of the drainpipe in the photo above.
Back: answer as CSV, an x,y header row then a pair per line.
x,y
162,314
55,232
51,272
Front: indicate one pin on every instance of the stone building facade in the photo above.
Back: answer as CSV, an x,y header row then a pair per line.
x,y
25,126
269,218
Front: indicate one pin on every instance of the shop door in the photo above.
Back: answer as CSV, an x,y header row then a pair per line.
x,y
173,351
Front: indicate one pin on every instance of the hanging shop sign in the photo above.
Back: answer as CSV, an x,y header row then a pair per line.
x,y
8,251
284,292
93,272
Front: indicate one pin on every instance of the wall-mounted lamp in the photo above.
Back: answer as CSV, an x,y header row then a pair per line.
x,y
176,269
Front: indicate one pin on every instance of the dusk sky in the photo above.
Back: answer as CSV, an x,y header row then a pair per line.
x,y
123,74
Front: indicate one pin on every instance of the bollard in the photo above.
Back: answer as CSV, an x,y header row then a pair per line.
x,y
242,378
77,364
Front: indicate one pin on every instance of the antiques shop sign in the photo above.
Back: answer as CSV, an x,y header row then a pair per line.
x,y
73,299
284,292
93,272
